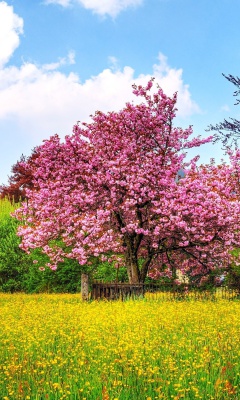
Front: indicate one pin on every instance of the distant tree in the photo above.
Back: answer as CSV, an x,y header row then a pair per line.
x,y
13,261
111,191
21,178
228,131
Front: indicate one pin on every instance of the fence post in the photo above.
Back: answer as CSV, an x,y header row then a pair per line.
x,y
84,286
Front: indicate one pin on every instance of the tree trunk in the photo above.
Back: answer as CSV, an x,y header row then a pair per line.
x,y
132,268
144,270
135,275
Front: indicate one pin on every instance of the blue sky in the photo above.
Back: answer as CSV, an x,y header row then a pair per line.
x,y
61,60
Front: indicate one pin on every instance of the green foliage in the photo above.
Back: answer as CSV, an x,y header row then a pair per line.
x,y
107,272
13,261
17,269
6,207
65,279
233,275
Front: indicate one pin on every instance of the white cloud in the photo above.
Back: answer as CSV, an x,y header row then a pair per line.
x,y
43,100
225,108
113,62
70,59
101,7
64,3
171,81
39,101
11,26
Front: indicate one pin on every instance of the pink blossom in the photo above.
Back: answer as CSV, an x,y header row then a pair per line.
x,y
112,189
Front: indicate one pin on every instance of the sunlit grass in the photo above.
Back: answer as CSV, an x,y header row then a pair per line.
x,y
57,347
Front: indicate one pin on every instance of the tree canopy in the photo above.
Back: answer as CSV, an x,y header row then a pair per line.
x,y
112,191
20,179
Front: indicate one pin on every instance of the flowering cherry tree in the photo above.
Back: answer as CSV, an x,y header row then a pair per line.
x,y
112,191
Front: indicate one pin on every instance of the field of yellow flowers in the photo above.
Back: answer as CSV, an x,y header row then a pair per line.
x,y
58,347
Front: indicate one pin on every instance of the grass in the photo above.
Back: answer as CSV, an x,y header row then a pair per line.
x,y
57,347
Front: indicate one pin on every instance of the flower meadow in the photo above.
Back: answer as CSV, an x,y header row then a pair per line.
x,y
58,347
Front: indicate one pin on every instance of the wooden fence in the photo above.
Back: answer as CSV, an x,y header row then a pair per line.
x,y
114,291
